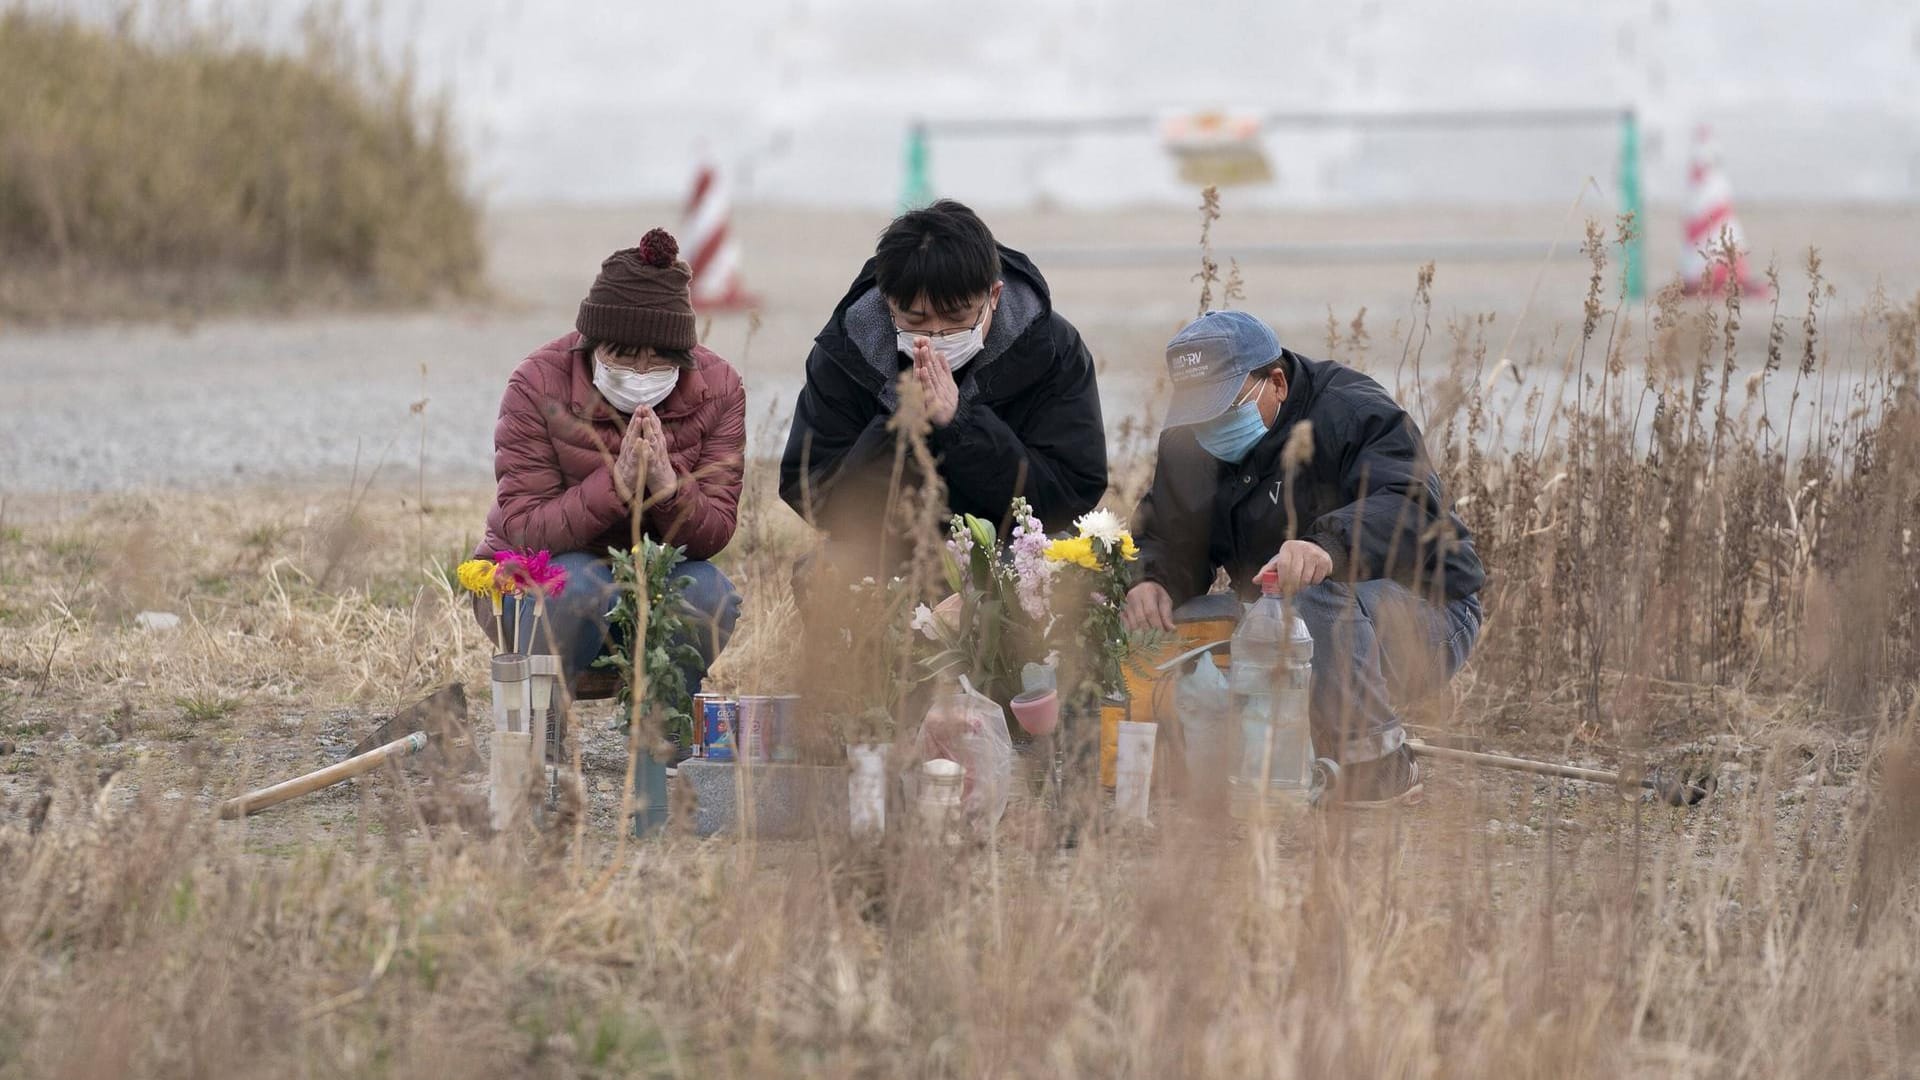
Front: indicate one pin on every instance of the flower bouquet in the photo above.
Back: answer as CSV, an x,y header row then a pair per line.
x,y
997,618
527,577
1018,607
524,714
1095,569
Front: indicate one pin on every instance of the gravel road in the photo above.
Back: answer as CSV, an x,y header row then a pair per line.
x,y
319,399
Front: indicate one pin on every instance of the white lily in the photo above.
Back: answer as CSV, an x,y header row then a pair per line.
x,y
924,622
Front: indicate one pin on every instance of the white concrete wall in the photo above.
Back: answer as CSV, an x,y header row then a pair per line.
x,y
807,100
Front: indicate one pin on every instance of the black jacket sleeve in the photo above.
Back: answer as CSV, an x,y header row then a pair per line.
x,y
1173,523
1397,519
1057,458
839,432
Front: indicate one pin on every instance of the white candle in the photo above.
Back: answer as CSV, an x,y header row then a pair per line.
x,y
1133,768
867,788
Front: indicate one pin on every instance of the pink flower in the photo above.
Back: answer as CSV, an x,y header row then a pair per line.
x,y
531,573
1032,572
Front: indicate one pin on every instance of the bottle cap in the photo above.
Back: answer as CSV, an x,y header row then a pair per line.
x,y
942,769
1269,583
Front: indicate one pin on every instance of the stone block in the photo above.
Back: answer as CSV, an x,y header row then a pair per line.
x,y
786,800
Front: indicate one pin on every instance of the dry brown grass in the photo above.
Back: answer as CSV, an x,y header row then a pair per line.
x,y
163,164
1704,585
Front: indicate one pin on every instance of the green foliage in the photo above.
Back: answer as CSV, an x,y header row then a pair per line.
x,y
1105,639
650,591
618,1038
206,708
184,901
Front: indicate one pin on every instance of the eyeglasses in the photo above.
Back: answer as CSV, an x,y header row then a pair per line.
x,y
949,335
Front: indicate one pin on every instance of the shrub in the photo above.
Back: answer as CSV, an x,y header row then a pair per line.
x,y
194,167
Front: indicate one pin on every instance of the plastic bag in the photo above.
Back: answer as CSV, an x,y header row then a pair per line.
x,y
1206,721
964,725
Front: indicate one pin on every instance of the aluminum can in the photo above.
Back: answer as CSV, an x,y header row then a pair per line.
x,y
758,728
719,725
786,727
700,723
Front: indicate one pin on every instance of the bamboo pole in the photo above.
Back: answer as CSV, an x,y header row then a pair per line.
x,y
255,801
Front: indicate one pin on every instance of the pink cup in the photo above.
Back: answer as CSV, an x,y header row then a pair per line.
x,y
1038,711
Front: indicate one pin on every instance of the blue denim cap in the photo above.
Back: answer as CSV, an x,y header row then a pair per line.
x,y
1209,360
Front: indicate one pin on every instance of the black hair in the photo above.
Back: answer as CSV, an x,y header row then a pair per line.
x,y
680,358
1283,362
944,251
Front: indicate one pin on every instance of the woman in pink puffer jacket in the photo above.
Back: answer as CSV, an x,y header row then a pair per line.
x,y
569,460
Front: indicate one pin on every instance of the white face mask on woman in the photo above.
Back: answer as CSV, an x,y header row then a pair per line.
x,y
626,389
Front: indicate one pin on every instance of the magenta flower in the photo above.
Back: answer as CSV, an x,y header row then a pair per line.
x,y
534,573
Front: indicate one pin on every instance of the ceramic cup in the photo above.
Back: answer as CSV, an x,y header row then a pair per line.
x,y
1038,711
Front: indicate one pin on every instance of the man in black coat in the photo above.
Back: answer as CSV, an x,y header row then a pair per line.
x,y
1008,382
1306,471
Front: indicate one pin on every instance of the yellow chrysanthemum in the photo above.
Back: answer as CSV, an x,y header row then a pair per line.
x,y
1078,551
1127,549
477,577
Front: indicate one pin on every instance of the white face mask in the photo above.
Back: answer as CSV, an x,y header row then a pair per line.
x,y
626,389
955,349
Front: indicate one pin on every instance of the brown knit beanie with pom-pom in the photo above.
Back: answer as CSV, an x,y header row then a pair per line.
x,y
640,297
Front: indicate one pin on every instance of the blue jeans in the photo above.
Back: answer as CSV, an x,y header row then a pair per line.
x,y
576,622
1375,645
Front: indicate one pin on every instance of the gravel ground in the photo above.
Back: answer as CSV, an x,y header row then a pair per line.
x,y
320,399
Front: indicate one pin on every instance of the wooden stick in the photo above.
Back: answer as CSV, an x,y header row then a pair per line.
x,y
255,801
1499,761
1673,790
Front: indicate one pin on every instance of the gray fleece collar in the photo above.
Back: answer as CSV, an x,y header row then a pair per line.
x,y
869,325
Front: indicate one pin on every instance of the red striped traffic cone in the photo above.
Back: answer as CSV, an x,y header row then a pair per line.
x,y
714,256
1705,268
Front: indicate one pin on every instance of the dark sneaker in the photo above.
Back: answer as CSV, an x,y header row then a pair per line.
x,y
1387,781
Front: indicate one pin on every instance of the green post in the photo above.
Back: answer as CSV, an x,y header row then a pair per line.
x,y
1635,254
917,191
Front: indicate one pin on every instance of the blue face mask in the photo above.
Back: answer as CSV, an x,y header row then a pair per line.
x,y
1233,434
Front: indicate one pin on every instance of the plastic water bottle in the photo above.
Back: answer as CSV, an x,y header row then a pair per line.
x,y
1269,681
1206,719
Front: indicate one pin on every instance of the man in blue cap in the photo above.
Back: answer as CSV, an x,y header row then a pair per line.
x,y
1276,464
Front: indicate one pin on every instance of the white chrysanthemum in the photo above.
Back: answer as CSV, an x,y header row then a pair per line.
x,y
1103,525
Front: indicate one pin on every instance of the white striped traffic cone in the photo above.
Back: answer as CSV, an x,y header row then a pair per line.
x,y
1704,267
711,252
